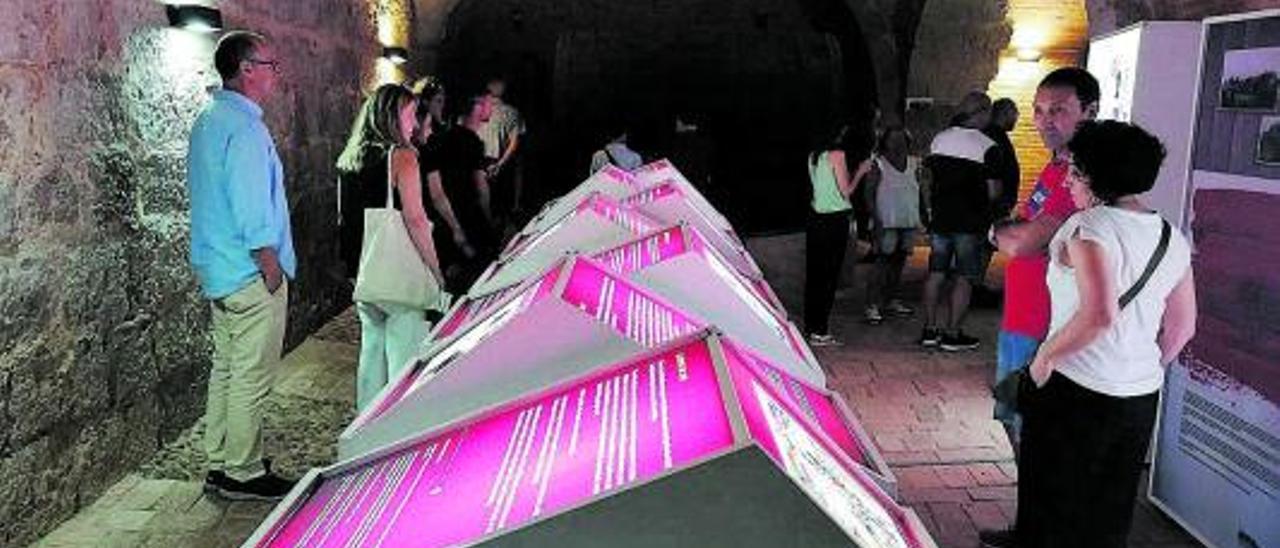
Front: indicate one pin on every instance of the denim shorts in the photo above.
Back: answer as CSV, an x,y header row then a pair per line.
x,y
895,240
957,252
1013,352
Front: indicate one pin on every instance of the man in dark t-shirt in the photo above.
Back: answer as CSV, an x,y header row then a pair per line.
x,y
960,165
461,160
1004,116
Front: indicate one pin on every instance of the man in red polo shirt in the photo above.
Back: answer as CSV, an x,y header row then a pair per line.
x,y
1064,98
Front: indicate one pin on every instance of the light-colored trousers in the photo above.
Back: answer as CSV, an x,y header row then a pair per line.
x,y
389,338
248,334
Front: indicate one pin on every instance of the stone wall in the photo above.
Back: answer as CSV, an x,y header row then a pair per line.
x,y
103,345
1108,15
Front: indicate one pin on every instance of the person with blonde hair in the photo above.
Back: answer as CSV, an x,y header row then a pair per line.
x,y
380,155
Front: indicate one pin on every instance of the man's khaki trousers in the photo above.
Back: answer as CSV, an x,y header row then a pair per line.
x,y
248,334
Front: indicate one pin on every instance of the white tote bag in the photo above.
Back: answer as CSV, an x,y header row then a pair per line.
x,y
391,271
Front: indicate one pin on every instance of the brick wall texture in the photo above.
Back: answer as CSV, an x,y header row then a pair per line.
x,y
103,345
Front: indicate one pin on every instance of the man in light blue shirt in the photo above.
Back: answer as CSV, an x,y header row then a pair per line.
x,y
242,253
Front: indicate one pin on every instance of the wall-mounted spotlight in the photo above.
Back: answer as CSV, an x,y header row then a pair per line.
x,y
1029,55
395,54
193,17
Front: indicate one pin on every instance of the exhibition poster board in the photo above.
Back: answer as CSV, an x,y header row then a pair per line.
x,y
1217,458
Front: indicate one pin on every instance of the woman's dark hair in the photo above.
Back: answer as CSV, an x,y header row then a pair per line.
x,y
883,141
377,127
855,140
426,88
1119,159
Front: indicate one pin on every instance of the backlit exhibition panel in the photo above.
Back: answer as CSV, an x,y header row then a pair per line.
x,y
677,263
596,222
589,316
663,172
559,449
609,181
670,204
637,453
1216,468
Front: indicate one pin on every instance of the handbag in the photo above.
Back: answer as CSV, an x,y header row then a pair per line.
x,y
391,271
1006,391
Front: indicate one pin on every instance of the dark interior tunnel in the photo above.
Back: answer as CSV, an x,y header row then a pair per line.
x,y
760,81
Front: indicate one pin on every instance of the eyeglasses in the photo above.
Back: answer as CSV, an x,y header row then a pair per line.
x,y
273,64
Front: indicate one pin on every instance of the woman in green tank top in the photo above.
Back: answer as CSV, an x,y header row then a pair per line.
x,y
827,234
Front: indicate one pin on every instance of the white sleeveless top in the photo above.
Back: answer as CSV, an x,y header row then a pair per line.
x,y
898,194
1124,361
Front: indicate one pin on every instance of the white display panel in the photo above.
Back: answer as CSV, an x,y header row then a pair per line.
x,y
1114,61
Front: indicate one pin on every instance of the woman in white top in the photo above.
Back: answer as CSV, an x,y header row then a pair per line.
x,y
1089,416
894,195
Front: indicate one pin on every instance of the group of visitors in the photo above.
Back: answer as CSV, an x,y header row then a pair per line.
x,y
451,175
1098,289
956,193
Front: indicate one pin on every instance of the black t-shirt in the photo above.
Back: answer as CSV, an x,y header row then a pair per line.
x,y
459,155
960,161
1006,170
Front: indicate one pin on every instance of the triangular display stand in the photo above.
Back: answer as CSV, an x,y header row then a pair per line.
x,y
663,172
677,263
609,181
691,443
672,203
575,316
597,221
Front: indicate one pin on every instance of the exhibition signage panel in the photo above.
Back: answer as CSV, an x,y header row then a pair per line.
x,y
674,415
596,223
1216,467
669,204
548,453
678,264
609,181
580,314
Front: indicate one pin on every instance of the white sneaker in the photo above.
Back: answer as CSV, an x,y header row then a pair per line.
x,y
896,308
816,339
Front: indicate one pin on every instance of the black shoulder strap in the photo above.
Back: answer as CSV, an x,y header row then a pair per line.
x,y
1165,233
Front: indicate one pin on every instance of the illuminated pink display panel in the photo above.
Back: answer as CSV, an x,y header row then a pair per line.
x,y
816,405
624,215
467,315
617,303
646,251
481,306
539,457
652,194
815,464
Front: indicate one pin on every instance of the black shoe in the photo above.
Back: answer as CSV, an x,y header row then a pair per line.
x,y
269,487
930,337
998,539
958,342
214,480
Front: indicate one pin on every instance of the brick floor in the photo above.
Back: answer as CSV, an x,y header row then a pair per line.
x,y
929,412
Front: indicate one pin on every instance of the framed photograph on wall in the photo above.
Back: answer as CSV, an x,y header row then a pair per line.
x,y
1250,79
1269,141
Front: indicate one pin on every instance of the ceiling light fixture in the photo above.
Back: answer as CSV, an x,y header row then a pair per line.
x,y
193,17
395,54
